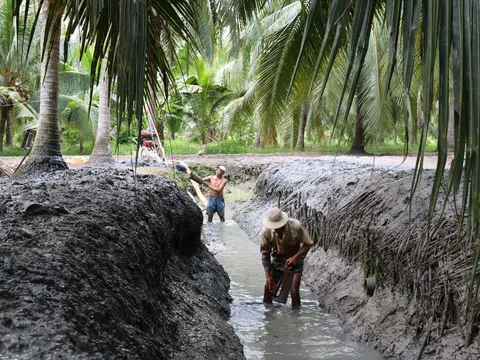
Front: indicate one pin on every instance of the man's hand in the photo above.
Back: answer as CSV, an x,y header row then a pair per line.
x,y
291,262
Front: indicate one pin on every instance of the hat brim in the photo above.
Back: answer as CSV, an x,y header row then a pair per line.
x,y
276,224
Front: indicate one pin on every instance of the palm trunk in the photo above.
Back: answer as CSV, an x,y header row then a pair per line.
x,y
301,130
272,135
46,154
413,137
8,130
81,141
102,150
161,130
30,139
187,59
358,145
3,122
256,143
295,124
24,140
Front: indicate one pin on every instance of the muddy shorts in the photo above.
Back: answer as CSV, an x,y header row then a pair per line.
x,y
216,204
278,265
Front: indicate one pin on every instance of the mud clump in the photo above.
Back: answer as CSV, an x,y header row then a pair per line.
x,y
97,264
359,219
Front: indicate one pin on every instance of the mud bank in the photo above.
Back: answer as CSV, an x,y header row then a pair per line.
x,y
359,221
95,265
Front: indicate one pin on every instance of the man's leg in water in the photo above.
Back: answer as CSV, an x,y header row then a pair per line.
x,y
211,208
270,288
295,289
221,208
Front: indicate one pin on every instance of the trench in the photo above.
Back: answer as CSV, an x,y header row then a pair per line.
x,y
277,331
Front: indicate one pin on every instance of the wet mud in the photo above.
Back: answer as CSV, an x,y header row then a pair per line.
x,y
359,216
97,264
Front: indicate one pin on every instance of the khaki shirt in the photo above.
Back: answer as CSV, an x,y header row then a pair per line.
x,y
287,246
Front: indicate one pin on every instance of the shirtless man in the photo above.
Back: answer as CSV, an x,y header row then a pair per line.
x,y
216,202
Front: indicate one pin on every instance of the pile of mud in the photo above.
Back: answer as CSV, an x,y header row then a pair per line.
x,y
360,222
98,264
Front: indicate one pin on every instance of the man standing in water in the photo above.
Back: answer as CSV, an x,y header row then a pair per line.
x,y
216,202
285,243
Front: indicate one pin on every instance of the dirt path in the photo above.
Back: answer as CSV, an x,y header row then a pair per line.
x,y
245,160
430,161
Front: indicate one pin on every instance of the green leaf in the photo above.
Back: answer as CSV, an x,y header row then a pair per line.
x,y
174,123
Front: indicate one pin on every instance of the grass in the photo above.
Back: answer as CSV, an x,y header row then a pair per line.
x,y
183,147
13,151
72,150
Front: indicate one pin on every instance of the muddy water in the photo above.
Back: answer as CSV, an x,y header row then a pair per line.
x,y
278,331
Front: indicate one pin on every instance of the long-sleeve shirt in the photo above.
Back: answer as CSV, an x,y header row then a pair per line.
x,y
293,236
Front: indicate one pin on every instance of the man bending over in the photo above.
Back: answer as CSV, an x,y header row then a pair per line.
x,y
285,243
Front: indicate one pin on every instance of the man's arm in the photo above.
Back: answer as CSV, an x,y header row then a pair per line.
x,y
208,178
307,243
266,250
218,188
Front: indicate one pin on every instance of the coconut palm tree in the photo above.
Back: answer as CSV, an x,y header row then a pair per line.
x,y
102,152
203,95
271,45
137,57
46,155
75,106
17,68
449,33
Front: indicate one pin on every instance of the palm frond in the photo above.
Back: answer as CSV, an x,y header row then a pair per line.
x,y
275,65
73,82
129,31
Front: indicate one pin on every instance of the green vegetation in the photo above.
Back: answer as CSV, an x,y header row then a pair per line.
x,y
185,147
13,151
251,76
232,95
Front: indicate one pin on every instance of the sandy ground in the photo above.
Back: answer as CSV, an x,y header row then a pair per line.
x,y
393,161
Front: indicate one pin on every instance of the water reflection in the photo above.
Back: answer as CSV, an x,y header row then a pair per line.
x,y
277,331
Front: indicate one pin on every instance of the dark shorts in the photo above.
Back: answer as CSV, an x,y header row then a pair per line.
x,y
216,204
278,265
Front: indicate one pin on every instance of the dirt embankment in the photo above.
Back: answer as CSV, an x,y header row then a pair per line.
x,y
360,223
96,265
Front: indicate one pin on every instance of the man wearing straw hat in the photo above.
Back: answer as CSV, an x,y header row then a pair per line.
x,y
285,243
216,202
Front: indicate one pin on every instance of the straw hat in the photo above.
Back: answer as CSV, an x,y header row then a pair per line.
x,y
275,218
223,168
